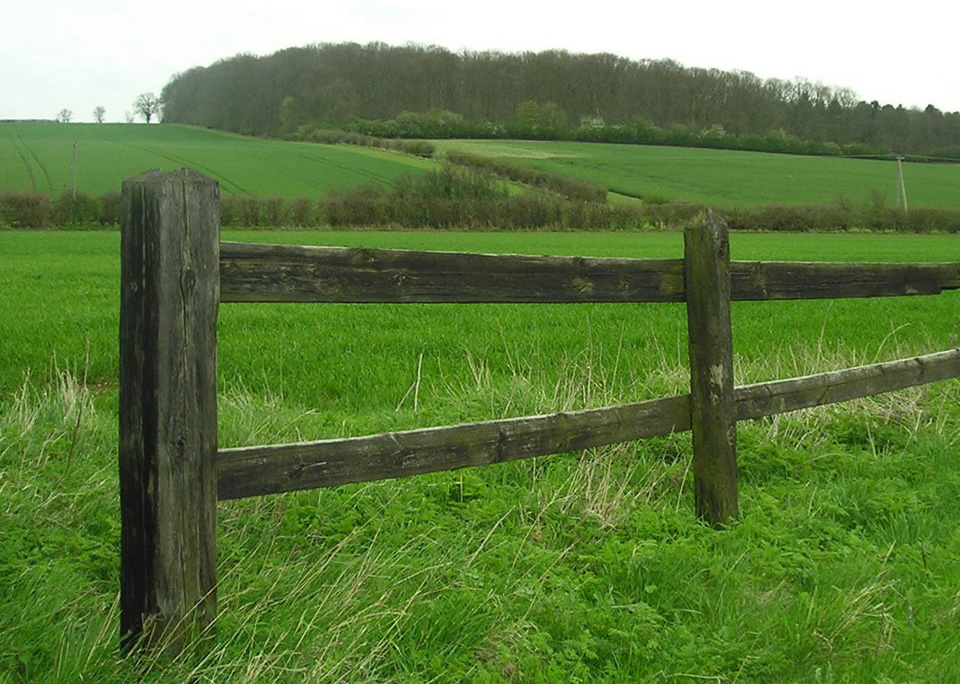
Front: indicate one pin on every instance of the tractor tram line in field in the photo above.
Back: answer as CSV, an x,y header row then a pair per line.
x,y
344,167
235,188
17,143
40,164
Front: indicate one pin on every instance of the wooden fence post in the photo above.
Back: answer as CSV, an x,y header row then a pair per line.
x,y
168,407
713,411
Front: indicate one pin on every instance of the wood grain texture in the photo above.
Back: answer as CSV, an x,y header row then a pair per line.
x,y
282,273
257,470
285,273
168,406
269,469
782,396
786,280
710,335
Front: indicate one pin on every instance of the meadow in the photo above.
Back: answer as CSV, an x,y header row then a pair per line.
x,y
576,567
729,178
36,157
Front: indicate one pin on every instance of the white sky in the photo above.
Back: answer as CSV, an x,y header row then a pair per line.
x,y
57,54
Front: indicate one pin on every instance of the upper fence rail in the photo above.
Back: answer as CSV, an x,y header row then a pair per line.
x,y
285,273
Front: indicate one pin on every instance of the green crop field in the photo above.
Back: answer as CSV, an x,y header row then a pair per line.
x,y
726,178
576,567
36,157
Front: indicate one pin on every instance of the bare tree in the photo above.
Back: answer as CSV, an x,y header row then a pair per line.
x,y
98,113
64,116
146,105
128,116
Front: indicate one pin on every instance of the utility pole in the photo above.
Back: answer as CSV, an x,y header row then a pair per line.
x,y
903,187
73,169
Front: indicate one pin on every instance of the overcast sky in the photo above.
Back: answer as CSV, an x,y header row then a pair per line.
x,y
57,54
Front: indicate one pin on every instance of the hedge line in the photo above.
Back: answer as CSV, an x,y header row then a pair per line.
x,y
462,199
418,148
29,210
448,125
571,188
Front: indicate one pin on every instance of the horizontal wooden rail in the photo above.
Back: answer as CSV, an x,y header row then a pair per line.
x,y
286,273
280,273
252,471
758,280
783,396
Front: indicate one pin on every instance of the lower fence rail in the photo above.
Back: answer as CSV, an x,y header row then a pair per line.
x,y
252,471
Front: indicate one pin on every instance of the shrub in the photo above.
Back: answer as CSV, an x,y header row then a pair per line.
x,y
324,136
111,207
249,212
303,212
356,207
228,211
25,210
418,148
82,210
274,212
570,188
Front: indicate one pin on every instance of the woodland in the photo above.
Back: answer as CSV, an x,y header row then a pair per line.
x,y
429,92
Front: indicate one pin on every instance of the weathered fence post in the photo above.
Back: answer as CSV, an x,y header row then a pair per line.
x,y
168,407
713,411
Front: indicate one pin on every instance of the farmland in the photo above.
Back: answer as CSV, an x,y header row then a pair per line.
x,y
36,157
584,567
725,178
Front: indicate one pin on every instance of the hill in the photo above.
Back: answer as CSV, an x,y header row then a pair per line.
x,y
546,95
36,157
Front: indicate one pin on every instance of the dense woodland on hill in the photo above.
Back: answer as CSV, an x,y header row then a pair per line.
x,y
417,91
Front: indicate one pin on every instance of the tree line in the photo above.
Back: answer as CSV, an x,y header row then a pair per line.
x,y
545,94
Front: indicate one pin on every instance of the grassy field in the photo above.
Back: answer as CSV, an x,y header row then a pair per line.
x,y
36,157
726,178
577,567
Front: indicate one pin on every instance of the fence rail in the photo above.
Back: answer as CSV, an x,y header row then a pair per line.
x,y
258,470
287,273
175,273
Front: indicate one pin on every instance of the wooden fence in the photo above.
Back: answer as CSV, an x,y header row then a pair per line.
x,y
175,273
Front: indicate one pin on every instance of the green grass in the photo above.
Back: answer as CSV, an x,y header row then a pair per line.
x,y
36,157
727,178
576,567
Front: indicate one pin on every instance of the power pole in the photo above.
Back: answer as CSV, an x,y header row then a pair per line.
x,y
73,169
903,187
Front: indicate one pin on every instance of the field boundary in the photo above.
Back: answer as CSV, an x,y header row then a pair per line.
x,y
175,273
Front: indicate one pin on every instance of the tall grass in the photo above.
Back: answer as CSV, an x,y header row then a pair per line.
x,y
586,566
